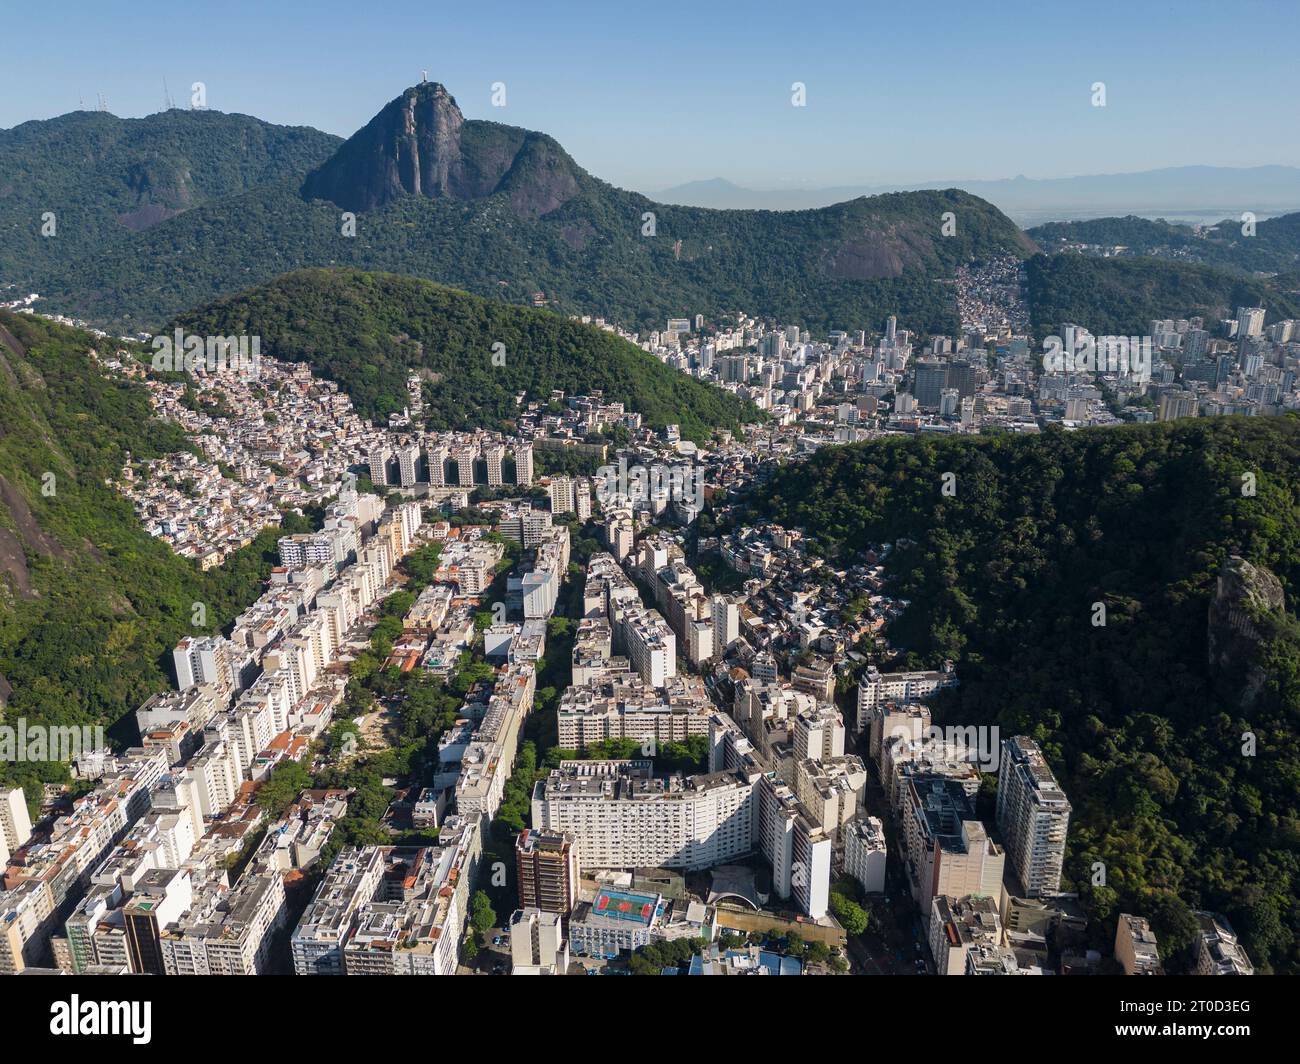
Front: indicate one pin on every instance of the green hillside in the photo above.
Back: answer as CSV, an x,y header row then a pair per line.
x,y
1122,296
105,178
90,604
369,331
1274,247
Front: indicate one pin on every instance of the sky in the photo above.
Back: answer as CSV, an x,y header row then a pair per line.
x,y
652,95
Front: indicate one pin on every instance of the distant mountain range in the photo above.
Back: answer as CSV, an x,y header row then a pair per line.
x,y
494,209
156,215
1182,193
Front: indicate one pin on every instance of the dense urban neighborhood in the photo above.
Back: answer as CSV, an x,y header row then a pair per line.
x,y
664,737
457,535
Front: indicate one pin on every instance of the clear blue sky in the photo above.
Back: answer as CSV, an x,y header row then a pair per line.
x,y
651,95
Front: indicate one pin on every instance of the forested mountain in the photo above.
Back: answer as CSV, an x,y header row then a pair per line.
x,y
102,178
369,331
505,212
90,604
1175,726
1122,296
1273,247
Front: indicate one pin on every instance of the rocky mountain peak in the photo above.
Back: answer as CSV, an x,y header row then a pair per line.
x,y
420,144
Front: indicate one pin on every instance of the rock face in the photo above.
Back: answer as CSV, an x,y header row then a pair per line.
x,y
421,145
1244,598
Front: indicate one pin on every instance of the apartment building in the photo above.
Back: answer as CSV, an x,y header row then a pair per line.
x,y
1033,815
204,660
26,915
1136,949
15,823
537,945
525,525
413,922
546,866
877,688
865,853
966,937
350,882
651,645
615,703
1218,952
948,849
819,734
159,898
797,846
622,817
227,932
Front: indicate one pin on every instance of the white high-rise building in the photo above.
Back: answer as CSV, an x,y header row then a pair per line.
x,y
408,464
15,824
948,849
436,456
537,943
651,645
621,537
524,464
319,548
561,492
800,851
699,640
865,853
379,459
203,660
494,456
349,883
464,457
1218,952
819,735
622,817
231,936
1033,815
1250,321
726,622
877,688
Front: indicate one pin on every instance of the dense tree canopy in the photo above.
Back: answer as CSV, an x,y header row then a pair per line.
x,y
1121,297
369,331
